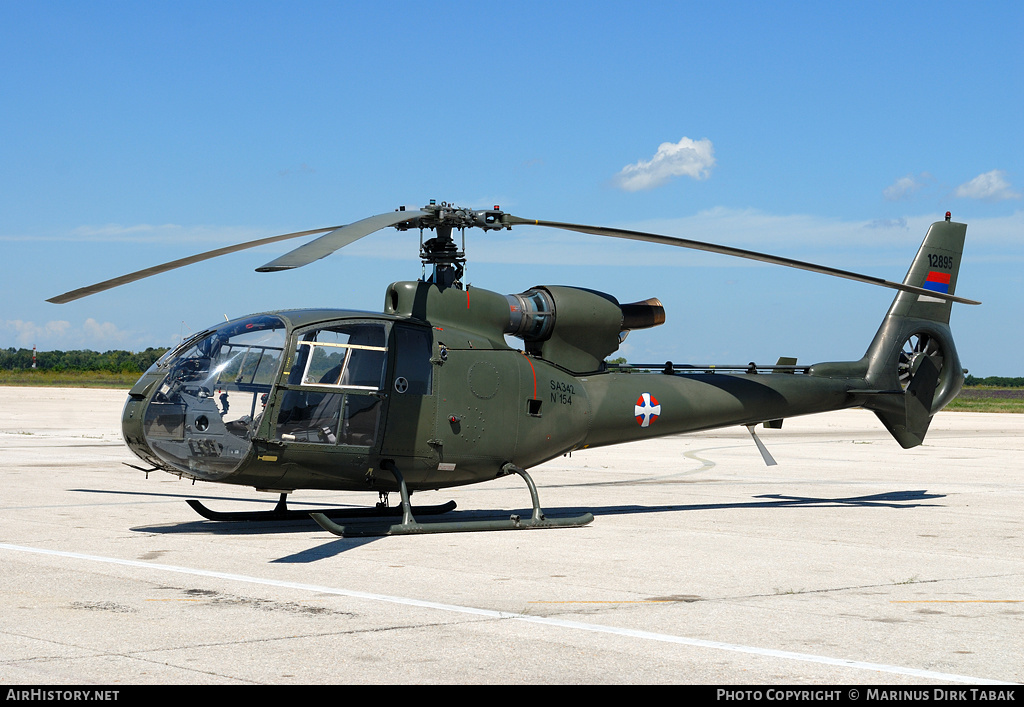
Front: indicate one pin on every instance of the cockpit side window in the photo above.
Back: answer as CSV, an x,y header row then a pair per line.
x,y
333,385
349,356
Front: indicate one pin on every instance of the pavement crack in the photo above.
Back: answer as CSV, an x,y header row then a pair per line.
x,y
893,583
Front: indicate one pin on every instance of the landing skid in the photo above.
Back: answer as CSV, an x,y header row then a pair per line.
x,y
281,512
409,525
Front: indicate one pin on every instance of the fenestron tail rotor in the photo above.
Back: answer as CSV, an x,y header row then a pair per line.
x,y
916,348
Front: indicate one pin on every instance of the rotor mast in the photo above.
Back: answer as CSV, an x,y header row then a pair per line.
x,y
448,261
445,257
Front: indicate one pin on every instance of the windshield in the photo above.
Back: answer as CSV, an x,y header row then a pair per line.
x,y
211,401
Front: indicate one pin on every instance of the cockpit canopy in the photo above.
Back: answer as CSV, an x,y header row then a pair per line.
x,y
209,403
208,397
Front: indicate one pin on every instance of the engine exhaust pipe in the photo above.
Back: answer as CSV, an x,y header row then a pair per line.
x,y
642,315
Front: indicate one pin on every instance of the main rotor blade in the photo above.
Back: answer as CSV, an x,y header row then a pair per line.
x,y
737,252
338,238
157,269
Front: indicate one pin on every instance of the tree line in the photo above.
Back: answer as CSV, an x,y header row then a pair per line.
x,y
84,360
995,381
117,361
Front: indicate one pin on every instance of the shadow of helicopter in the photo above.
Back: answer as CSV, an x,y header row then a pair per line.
x,y
193,495
892,499
300,525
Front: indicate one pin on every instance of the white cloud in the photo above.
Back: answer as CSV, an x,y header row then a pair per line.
x,y
60,334
887,223
103,331
28,333
990,186
903,188
691,158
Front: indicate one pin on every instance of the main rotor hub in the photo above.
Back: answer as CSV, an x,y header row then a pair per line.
x,y
446,258
452,216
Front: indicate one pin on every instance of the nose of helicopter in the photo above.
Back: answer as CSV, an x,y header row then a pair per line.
x,y
196,409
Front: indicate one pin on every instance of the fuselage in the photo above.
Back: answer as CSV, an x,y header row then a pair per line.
x,y
320,398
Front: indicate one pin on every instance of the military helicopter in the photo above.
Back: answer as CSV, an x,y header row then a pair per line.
x,y
429,394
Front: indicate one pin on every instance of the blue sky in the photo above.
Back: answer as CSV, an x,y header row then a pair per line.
x,y
135,133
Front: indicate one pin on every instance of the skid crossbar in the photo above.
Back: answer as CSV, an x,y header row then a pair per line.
x,y
410,526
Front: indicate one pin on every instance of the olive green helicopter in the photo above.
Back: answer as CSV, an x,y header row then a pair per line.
x,y
429,394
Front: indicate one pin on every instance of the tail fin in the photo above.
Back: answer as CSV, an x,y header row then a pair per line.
x,y
935,268
913,353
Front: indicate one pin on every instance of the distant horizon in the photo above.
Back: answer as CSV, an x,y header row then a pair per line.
x,y
627,361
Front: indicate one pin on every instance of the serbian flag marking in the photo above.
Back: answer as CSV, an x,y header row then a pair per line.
x,y
646,409
937,282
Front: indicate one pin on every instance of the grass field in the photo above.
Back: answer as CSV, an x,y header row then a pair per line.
x,y
989,400
972,399
69,379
